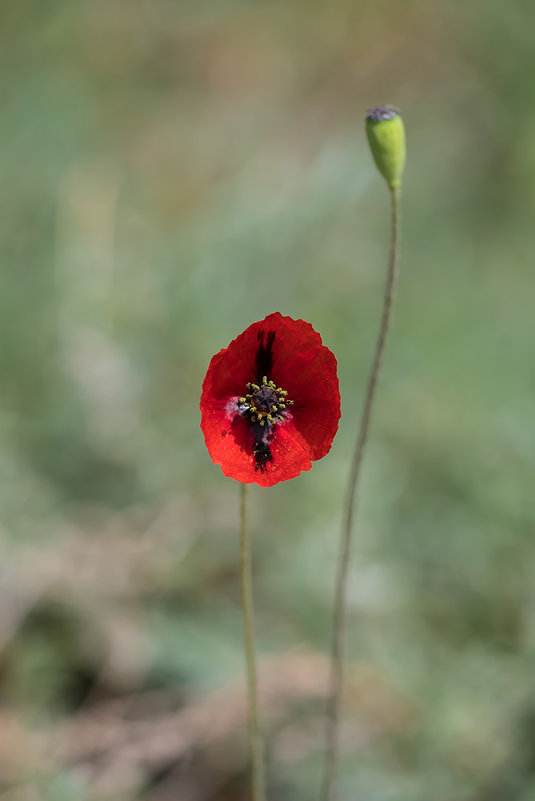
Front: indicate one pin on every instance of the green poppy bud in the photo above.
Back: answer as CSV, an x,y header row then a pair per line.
x,y
386,135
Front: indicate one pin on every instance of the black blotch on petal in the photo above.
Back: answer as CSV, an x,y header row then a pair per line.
x,y
261,450
262,456
264,354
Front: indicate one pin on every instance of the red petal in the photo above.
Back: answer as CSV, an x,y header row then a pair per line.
x,y
229,442
307,370
290,455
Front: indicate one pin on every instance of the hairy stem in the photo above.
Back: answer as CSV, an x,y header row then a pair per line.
x,y
255,737
340,605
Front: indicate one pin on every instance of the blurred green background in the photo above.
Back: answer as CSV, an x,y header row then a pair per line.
x,y
170,173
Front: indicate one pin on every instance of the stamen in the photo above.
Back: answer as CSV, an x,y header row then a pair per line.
x,y
265,404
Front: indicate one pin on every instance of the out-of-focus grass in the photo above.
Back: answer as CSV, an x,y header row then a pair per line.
x,y
171,173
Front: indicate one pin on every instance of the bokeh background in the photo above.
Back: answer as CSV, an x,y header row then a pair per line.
x,y
170,173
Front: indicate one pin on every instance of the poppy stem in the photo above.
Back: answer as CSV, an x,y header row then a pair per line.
x,y
255,737
340,604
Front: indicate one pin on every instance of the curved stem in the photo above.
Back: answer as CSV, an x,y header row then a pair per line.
x,y
340,605
255,738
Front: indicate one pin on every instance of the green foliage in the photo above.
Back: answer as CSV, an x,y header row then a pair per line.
x,y
172,172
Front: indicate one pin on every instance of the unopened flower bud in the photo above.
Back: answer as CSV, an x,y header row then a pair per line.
x,y
386,135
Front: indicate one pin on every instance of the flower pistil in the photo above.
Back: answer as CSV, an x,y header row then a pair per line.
x,y
264,403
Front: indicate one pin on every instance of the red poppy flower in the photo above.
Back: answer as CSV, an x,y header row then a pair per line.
x,y
270,402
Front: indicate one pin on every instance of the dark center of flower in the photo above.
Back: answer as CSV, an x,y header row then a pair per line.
x,y
265,398
265,403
